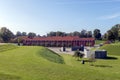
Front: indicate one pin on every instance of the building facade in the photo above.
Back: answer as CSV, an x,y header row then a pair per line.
x,y
67,41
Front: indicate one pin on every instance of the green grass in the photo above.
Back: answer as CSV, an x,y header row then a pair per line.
x,y
50,55
24,63
99,41
7,47
113,49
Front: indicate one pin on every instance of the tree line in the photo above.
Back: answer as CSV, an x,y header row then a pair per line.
x,y
113,34
7,35
82,34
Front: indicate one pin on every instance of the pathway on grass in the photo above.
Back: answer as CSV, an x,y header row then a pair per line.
x,y
57,50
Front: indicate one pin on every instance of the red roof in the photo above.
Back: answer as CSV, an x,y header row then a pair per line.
x,y
58,38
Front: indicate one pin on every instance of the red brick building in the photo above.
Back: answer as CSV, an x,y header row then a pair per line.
x,y
58,41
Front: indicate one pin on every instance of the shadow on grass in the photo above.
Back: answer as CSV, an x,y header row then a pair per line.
x,y
102,66
107,58
51,55
111,58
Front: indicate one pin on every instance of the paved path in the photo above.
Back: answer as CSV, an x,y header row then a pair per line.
x,y
68,50
57,50
2,43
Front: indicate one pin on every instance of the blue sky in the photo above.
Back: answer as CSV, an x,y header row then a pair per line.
x,y
43,16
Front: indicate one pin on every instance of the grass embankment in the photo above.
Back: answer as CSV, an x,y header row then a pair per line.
x,y
99,42
50,55
112,49
7,47
24,63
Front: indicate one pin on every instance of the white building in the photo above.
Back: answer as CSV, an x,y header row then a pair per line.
x,y
88,53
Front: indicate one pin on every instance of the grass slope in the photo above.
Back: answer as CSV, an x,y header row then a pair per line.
x,y
99,42
51,56
113,49
7,47
24,63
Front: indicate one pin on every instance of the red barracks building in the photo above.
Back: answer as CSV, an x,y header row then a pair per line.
x,y
57,41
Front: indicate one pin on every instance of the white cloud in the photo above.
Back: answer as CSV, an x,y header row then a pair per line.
x,y
113,16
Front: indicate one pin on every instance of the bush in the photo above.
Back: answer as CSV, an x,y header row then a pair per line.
x,y
78,54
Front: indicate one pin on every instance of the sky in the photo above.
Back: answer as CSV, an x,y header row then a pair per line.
x,y
43,16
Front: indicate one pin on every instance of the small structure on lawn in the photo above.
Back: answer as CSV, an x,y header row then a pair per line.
x,y
63,49
88,53
80,48
101,54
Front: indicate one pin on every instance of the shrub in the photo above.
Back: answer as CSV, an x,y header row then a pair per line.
x,y
78,54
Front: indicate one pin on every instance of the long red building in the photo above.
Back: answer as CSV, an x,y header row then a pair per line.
x,y
57,41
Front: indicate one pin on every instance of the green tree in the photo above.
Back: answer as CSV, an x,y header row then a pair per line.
x,y
83,33
51,34
97,34
59,33
89,34
105,36
24,34
115,31
6,34
119,34
111,36
1,40
31,35
76,33
38,35
70,34
18,34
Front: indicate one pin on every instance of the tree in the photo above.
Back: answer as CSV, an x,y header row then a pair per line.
x,y
1,40
111,36
76,33
51,34
69,34
38,35
115,31
119,34
97,34
31,35
24,34
18,34
105,36
59,33
6,34
89,34
83,33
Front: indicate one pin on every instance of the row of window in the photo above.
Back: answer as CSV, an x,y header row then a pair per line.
x,y
58,41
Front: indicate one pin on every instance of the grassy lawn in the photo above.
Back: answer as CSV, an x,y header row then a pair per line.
x,y
113,49
50,55
7,47
29,63
99,41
